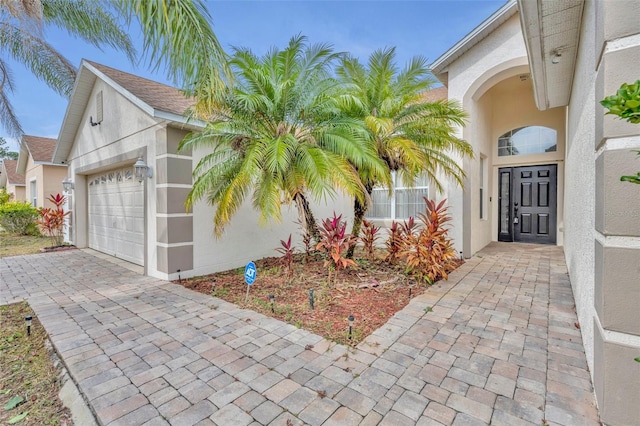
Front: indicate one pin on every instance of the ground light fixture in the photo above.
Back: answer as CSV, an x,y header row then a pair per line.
x,y
141,170
311,299
67,185
272,300
27,321
351,319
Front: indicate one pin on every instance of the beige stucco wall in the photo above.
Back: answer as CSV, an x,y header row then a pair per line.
x,y
486,80
126,133
610,299
48,180
245,239
19,192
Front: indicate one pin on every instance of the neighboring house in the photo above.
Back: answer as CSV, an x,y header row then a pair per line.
x,y
42,176
11,180
112,120
548,163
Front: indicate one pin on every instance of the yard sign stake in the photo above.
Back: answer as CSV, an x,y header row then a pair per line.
x,y
250,273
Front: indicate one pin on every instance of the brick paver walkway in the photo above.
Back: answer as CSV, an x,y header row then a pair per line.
x,y
497,344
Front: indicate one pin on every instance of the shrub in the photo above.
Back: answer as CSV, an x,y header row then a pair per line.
x,y
16,217
625,103
429,253
287,250
52,219
369,237
394,242
335,242
5,197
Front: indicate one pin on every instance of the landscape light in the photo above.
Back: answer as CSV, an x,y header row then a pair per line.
x,y
272,300
311,298
351,319
27,320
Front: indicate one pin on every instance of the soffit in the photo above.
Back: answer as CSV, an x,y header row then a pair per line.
x,y
551,28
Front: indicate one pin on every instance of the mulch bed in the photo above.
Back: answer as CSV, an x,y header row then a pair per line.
x,y
372,293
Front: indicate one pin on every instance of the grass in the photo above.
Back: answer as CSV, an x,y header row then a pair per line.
x,y
18,245
27,373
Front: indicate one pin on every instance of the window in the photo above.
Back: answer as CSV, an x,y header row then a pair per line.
x,y
484,176
33,188
404,202
527,140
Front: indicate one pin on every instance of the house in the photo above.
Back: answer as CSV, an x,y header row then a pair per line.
x,y
42,176
548,163
11,180
115,120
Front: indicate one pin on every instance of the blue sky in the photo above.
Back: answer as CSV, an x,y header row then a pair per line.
x,y
419,27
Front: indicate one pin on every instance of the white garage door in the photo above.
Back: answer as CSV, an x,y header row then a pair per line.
x,y
116,215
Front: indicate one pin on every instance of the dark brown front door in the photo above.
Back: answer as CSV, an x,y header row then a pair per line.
x,y
527,204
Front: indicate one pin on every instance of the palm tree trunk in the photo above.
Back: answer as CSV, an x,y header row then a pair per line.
x,y
306,216
359,210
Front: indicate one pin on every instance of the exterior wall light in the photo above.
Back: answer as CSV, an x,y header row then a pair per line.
x,y
142,170
67,185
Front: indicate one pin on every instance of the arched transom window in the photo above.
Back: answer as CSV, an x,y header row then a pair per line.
x,y
527,140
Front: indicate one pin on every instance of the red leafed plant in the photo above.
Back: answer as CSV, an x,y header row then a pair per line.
x,y
429,253
51,220
369,237
287,251
335,242
394,242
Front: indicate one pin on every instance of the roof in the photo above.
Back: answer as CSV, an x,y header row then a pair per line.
x,y
438,94
440,66
157,95
156,99
39,148
13,177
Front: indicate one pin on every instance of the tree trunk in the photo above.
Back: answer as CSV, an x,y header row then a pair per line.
x,y
359,210
306,217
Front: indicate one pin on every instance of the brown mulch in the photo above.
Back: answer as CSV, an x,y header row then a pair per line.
x,y
372,293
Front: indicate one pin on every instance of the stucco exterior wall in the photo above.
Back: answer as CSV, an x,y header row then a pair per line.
x,y
245,239
19,192
486,80
615,333
580,182
125,134
48,181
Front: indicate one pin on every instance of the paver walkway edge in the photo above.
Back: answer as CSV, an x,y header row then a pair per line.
x,y
495,344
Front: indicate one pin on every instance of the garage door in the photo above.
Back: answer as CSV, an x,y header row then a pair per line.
x,y
116,215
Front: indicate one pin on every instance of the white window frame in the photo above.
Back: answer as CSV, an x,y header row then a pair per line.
x,y
392,202
33,192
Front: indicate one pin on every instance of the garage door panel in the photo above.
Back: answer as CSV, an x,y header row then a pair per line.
x,y
116,216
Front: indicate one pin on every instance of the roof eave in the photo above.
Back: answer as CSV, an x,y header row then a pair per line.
x,y
531,21
440,66
23,158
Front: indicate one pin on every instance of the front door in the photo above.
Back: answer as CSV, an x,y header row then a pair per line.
x,y
527,204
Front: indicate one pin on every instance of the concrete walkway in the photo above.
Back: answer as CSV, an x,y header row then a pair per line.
x,y
499,345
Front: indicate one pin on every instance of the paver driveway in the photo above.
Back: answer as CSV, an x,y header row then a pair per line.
x,y
499,345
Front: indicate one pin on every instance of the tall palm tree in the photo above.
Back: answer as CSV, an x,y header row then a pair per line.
x,y
278,137
176,34
413,135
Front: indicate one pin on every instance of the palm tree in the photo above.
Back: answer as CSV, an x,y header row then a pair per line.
x,y
413,135
176,34
277,136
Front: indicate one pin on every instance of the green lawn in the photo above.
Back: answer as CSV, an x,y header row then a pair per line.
x,y
17,245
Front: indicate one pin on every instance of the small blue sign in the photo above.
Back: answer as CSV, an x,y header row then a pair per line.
x,y
250,273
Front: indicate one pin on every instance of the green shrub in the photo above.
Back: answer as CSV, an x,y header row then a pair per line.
x,y
5,197
18,217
